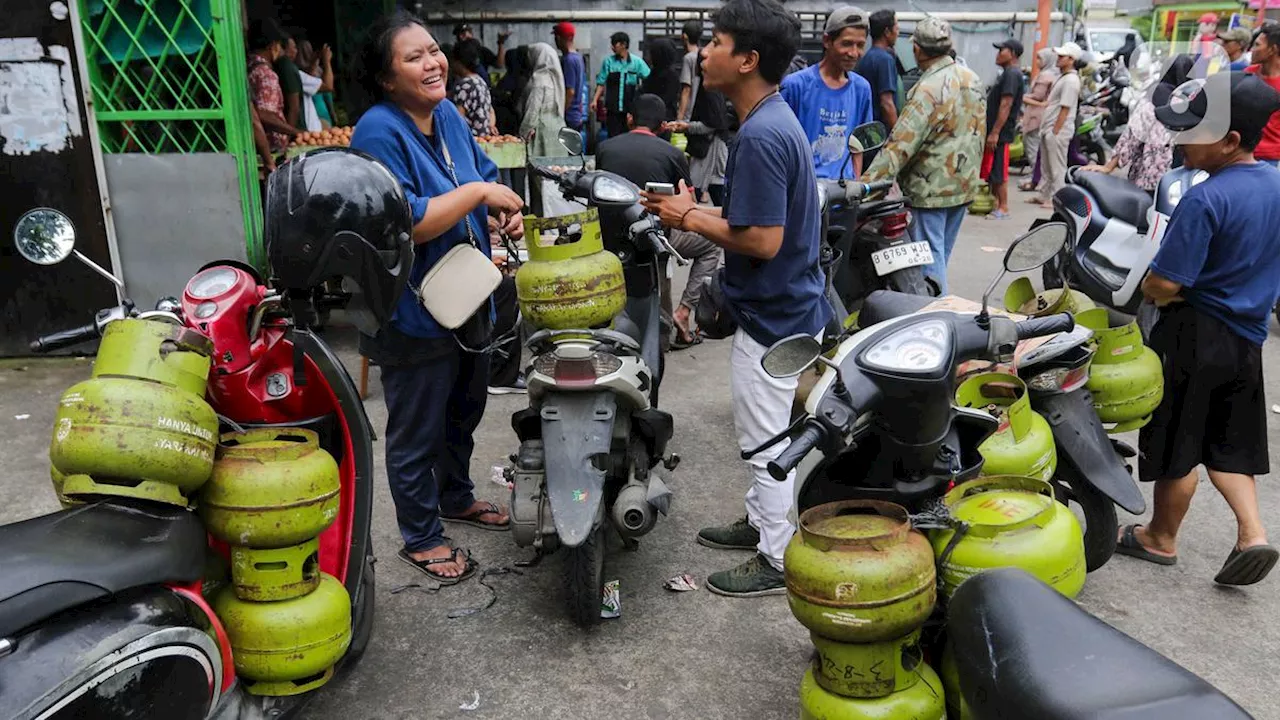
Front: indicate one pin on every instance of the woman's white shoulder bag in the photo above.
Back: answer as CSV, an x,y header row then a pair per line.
x,y
461,282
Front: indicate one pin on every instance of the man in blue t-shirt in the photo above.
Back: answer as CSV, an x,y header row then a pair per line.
x,y
771,281
575,75
1215,278
829,99
880,67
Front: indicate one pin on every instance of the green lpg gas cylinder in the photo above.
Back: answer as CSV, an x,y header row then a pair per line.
x,y
569,281
1126,378
155,350
1021,297
57,479
984,202
868,670
922,701
270,574
1013,521
1023,444
133,438
287,647
270,488
856,572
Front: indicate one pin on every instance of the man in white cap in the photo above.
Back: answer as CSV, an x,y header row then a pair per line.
x,y
830,99
1059,124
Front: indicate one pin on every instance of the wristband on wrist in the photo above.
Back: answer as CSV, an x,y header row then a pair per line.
x,y
680,225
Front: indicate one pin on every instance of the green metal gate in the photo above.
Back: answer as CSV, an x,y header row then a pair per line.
x,y
169,76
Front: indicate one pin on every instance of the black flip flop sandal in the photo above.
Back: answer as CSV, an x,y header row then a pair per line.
x,y
681,344
424,566
1129,545
1248,566
473,518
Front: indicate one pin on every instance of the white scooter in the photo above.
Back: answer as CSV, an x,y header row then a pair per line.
x,y
1116,228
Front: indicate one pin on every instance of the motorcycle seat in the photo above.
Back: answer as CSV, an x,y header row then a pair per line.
x,y
1116,197
1025,651
881,305
58,561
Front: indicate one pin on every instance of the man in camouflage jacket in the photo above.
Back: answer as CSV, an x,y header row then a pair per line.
x,y
935,151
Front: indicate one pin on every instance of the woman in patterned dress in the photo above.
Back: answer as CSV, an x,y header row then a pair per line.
x,y
471,91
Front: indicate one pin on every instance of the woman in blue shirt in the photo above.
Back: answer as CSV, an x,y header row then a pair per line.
x,y
435,391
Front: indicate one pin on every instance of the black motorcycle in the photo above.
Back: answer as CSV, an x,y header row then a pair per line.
x,y
866,246
881,423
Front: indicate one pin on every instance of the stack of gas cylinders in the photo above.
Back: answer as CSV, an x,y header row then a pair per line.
x,y
272,494
1126,378
139,430
864,583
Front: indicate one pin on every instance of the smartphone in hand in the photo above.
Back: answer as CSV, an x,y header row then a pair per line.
x,y
658,188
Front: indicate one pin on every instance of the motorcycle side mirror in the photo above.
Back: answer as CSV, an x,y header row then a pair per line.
x,y
571,140
867,137
791,356
1035,247
46,236
1027,252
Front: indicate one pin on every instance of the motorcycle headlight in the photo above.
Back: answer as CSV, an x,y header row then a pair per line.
x,y
611,190
1175,193
919,348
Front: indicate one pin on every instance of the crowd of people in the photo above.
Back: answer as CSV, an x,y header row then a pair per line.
x,y
761,129
291,87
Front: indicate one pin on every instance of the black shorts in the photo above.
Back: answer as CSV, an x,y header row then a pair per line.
x,y
999,164
1214,410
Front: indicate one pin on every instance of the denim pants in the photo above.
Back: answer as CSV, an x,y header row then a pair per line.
x,y
938,227
433,409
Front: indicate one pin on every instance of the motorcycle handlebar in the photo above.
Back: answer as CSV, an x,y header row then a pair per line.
x,y
64,338
860,190
795,452
1048,325
544,172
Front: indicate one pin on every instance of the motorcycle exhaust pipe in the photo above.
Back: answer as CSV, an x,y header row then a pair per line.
x,y
632,513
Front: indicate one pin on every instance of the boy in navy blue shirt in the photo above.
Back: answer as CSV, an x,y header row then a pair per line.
x,y
772,282
1216,279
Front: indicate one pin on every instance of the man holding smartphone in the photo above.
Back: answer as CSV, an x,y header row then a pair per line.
x,y
772,283
649,161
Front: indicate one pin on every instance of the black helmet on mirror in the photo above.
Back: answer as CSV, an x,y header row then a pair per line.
x,y
337,212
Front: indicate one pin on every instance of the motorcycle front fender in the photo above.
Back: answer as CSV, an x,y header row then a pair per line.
x,y
577,429
1084,444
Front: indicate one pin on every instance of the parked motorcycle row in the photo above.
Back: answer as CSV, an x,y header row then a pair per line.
x,y
931,586
937,458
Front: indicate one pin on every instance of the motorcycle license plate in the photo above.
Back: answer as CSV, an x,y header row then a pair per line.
x,y
900,257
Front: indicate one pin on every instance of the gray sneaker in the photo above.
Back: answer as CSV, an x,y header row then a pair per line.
x,y
753,578
738,535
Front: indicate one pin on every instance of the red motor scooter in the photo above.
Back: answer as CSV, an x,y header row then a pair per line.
x,y
102,605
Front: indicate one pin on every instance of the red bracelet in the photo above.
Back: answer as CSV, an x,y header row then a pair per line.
x,y
680,226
